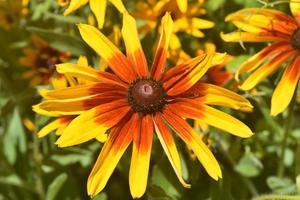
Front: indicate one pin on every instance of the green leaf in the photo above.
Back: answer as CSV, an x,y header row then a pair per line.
x,y
281,185
68,159
55,186
155,192
62,41
249,165
234,65
14,138
214,5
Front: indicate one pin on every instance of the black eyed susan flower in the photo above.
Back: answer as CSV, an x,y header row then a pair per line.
x,y
98,7
267,25
132,102
40,61
185,16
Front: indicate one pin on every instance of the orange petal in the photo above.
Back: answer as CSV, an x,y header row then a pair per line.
x,y
253,62
266,70
108,51
258,20
81,91
215,95
140,160
193,75
93,123
169,146
239,36
113,149
285,89
194,141
134,50
160,58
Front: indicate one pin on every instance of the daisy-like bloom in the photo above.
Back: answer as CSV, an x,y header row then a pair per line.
x,y
12,12
185,16
130,103
40,61
267,25
98,7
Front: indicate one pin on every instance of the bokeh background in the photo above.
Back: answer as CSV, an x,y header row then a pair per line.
x,y
34,168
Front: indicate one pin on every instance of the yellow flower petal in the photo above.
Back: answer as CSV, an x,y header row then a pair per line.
x,y
266,70
74,5
108,51
225,122
140,160
134,50
98,7
160,58
182,5
169,146
285,89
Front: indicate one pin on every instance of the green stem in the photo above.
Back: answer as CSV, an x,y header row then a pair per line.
x,y
38,165
277,196
287,129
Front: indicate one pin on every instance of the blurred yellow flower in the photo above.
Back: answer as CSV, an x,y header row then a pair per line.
x,y
40,61
11,12
185,16
98,7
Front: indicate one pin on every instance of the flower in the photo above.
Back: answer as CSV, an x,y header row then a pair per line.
x,y
185,16
98,7
12,12
41,60
130,103
267,25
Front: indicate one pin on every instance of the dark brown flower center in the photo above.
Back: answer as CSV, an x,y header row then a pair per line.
x,y
146,96
295,39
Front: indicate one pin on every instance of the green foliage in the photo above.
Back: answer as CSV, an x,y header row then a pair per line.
x,y
33,168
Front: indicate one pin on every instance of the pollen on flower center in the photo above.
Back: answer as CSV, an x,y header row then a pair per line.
x,y
146,96
295,39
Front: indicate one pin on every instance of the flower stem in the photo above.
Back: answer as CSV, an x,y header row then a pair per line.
x,y
276,196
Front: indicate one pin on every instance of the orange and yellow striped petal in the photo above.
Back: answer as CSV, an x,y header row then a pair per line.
x,y
88,73
266,70
134,49
256,20
93,123
169,146
215,95
239,36
295,9
74,5
195,110
116,60
194,141
160,57
285,89
225,122
140,160
98,7
113,149
253,62
195,73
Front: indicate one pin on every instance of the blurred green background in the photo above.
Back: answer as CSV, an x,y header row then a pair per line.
x,y
32,168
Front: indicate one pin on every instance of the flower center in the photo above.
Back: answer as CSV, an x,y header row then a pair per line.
x,y
146,96
295,39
